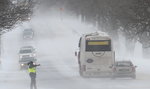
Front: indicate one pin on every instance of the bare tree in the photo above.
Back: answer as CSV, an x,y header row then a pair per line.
x,y
11,14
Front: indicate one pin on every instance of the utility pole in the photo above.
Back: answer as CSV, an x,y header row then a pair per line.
x,y
61,14
0,47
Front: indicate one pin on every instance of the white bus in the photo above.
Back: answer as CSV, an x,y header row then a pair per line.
x,y
95,55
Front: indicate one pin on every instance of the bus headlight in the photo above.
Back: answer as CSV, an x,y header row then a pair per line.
x,y
90,60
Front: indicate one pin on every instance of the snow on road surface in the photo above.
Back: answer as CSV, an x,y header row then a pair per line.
x,y
55,41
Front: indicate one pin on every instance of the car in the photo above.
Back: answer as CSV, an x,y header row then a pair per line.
x,y
28,34
124,69
27,51
23,62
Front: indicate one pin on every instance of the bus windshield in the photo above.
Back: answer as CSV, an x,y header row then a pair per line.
x,y
98,45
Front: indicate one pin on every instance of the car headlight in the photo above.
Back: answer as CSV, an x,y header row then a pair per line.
x,y
34,55
20,57
22,64
90,60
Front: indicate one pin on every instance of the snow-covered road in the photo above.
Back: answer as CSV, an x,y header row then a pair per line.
x,y
55,42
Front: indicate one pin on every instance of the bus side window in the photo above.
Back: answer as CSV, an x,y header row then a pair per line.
x,y
79,42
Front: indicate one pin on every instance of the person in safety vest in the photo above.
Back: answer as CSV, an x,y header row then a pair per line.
x,y
32,74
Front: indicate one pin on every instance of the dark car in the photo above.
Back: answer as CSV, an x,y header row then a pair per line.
x,y
24,62
28,34
124,69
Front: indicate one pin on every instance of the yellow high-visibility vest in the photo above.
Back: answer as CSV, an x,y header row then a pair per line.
x,y
32,70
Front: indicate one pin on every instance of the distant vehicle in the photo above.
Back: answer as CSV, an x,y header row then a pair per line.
x,y
24,62
95,55
124,69
28,34
26,52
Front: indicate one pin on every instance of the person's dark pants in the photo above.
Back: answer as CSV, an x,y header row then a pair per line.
x,y
33,81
